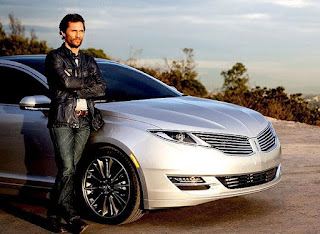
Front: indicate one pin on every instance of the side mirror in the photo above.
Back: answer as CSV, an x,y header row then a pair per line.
x,y
35,103
174,88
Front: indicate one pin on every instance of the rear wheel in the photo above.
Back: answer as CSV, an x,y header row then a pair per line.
x,y
110,187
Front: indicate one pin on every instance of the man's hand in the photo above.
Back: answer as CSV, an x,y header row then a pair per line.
x,y
68,74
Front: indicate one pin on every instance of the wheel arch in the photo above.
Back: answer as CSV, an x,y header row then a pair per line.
x,y
126,151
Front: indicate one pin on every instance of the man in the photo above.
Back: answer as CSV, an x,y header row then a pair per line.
x,y
74,79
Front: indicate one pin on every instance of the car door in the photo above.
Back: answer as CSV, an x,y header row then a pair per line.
x,y
26,151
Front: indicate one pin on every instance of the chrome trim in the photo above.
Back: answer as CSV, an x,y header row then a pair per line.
x,y
227,143
25,185
266,139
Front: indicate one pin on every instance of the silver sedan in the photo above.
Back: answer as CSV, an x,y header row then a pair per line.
x,y
158,148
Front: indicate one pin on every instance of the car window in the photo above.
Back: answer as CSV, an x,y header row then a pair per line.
x,y
16,84
35,63
124,84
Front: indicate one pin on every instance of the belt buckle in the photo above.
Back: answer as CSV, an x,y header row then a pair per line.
x,y
82,112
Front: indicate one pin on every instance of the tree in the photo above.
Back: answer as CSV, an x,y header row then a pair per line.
x,y
33,35
235,79
235,84
182,74
2,32
134,55
16,43
97,53
273,102
17,29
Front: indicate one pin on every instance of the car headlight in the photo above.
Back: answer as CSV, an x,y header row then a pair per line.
x,y
179,137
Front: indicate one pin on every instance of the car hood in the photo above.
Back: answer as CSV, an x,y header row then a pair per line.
x,y
189,114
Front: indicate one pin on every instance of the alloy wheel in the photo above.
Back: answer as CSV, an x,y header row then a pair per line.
x,y
106,187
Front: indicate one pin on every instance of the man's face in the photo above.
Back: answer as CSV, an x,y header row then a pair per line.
x,y
74,34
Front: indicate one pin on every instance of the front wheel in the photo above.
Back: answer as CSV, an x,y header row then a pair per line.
x,y
110,187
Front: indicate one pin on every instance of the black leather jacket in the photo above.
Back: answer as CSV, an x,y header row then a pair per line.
x,y
67,82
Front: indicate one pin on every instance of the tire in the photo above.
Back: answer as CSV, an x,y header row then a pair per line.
x,y
110,187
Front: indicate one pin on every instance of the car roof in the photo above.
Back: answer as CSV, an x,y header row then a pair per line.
x,y
36,58
23,57
31,60
41,57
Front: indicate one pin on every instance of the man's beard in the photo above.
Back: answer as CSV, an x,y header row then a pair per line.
x,y
73,45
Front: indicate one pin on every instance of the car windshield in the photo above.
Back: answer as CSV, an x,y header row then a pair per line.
x,y
124,84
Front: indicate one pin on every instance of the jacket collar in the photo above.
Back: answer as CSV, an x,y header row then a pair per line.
x,y
69,52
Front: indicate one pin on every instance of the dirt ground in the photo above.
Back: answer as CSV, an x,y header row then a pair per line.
x,y
293,206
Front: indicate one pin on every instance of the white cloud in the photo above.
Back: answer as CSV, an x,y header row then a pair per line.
x,y
201,64
227,19
40,23
292,3
194,19
214,64
258,16
98,24
72,10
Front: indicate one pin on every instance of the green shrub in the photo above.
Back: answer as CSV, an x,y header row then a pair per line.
x,y
273,102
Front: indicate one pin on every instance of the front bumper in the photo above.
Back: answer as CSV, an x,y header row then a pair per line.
x,y
160,159
174,197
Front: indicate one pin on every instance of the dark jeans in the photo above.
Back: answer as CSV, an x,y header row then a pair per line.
x,y
68,146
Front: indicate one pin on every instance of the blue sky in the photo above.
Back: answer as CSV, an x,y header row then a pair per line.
x,y
277,40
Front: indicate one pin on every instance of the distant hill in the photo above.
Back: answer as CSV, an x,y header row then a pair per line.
x,y
313,100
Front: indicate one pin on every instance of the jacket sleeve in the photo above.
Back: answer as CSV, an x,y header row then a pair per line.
x,y
96,88
55,70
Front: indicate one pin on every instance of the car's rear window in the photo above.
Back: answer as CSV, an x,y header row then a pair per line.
x,y
35,63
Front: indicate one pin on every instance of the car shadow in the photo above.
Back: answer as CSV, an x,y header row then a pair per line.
x,y
32,210
211,213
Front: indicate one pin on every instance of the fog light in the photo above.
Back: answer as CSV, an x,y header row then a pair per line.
x,y
185,180
189,182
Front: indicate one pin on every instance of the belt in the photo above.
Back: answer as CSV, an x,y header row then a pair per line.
x,y
82,112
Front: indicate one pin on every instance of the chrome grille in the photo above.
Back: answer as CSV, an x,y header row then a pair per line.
x,y
266,139
248,180
228,144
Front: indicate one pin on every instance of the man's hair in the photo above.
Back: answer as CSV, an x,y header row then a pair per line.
x,y
70,18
